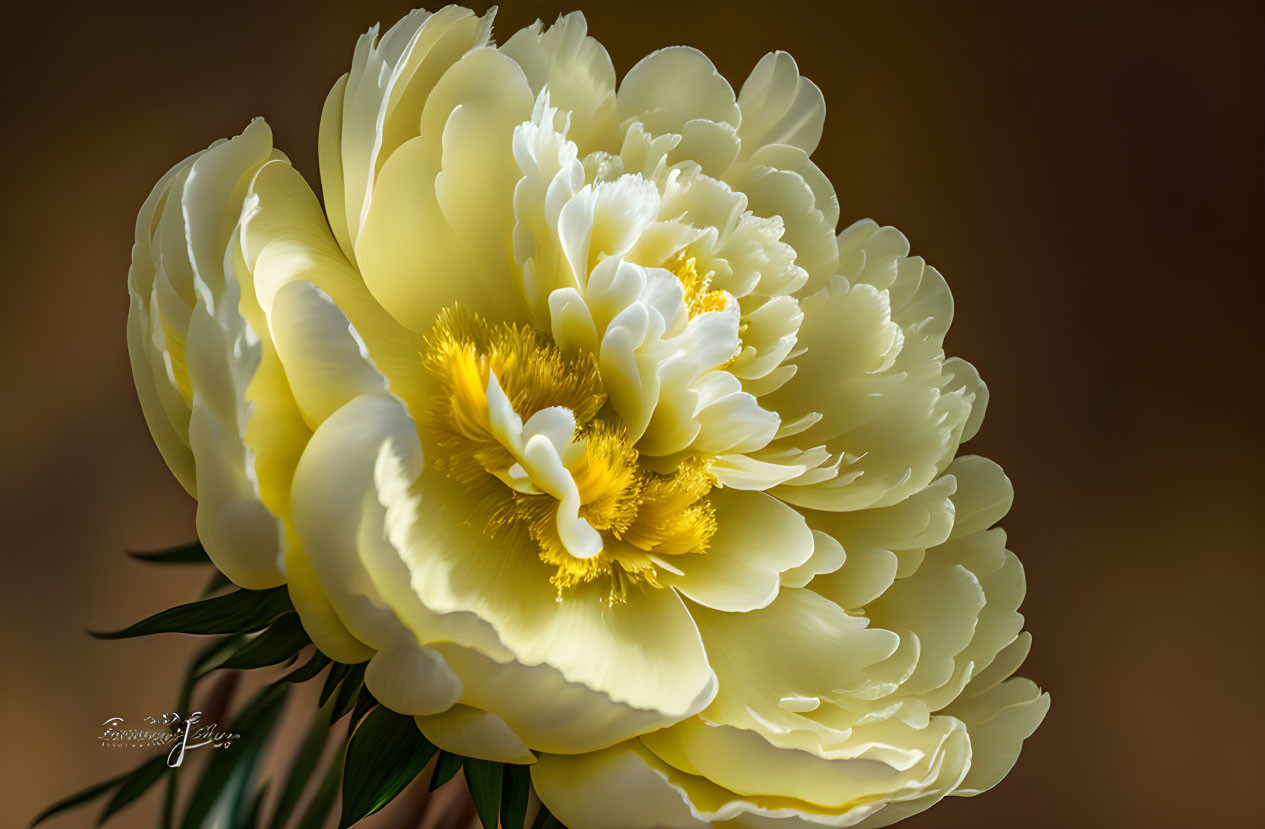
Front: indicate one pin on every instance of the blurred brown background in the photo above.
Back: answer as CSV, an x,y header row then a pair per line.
x,y
1087,176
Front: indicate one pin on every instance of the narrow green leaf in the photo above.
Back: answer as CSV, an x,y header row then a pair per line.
x,y
383,756
213,652
202,664
242,611
168,814
81,798
308,669
514,792
446,768
191,553
348,692
484,779
282,640
336,675
301,769
545,820
220,789
136,784
215,584
364,703
322,803
254,815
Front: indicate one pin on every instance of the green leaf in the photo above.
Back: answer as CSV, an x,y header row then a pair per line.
x,y
80,798
514,791
255,813
191,553
218,797
348,692
282,640
484,779
242,611
545,820
207,656
446,767
217,582
364,703
301,769
308,669
318,809
168,814
202,664
136,784
383,756
336,675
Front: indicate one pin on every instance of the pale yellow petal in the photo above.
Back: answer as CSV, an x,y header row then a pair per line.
x,y
470,732
322,624
411,679
406,251
999,721
674,85
779,106
757,538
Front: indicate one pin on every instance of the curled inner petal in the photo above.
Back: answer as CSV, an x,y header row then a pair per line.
x,y
525,426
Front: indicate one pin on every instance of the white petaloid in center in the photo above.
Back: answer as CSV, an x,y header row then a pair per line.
x,y
544,447
595,248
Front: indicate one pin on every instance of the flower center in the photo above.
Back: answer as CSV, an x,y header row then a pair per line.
x,y
699,297
525,428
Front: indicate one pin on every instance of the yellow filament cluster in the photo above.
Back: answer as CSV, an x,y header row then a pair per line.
x,y
641,514
698,294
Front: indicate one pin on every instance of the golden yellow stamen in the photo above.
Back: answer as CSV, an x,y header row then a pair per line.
x,y
673,517
699,297
640,513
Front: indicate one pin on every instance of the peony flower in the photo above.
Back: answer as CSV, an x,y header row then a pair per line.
x,y
571,412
